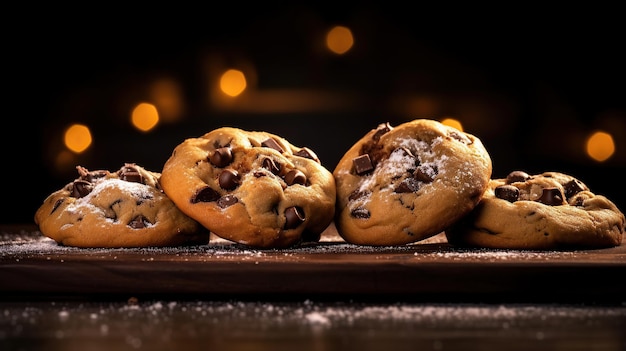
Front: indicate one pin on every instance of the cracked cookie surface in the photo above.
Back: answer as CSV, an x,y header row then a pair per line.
x,y
551,210
399,185
251,187
124,208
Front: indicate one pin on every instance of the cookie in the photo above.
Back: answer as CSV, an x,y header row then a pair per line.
x,y
251,187
551,210
399,185
125,208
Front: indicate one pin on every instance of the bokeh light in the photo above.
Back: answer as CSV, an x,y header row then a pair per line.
x,y
452,123
77,138
233,82
600,146
339,40
145,117
167,97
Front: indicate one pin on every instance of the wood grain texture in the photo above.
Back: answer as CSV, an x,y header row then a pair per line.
x,y
34,266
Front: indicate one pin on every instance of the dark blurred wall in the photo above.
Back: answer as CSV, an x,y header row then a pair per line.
x,y
528,83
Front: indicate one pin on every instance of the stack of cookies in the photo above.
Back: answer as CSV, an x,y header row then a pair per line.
x,y
394,186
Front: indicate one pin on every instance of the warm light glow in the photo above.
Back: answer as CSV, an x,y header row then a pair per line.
x,y
339,40
144,117
167,97
233,82
600,146
77,138
64,160
452,123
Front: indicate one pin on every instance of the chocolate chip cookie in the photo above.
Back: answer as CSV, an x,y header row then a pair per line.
x,y
251,187
551,210
124,208
399,185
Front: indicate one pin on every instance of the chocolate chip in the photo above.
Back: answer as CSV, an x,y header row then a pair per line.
x,y
131,174
205,194
90,176
80,188
458,136
273,144
360,213
509,193
578,201
408,185
362,164
357,194
551,196
573,187
139,222
227,200
56,205
270,165
382,129
295,177
426,173
517,176
229,179
294,216
221,157
307,153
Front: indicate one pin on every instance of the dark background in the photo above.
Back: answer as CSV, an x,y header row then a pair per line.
x,y
529,82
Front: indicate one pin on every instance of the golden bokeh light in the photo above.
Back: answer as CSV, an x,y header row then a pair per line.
x,y
77,138
64,160
145,117
600,146
167,97
339,40
233,82
451,122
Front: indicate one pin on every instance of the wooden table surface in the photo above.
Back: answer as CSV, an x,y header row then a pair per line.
x,y
34,266
324,296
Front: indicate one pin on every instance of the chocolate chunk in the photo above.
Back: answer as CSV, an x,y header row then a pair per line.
x,y
130,173
295,177
84,174
294,216
307,153
509,193
270,165
517,176
56,205
80,188
362,164
205,195
551,196
221,157
139,222
357,194
578,201
408,185
382,129
458,136
273,144
229,179
227,200
426,173
573,187
360,213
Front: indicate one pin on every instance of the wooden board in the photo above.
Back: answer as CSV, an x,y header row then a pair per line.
x,y
32,265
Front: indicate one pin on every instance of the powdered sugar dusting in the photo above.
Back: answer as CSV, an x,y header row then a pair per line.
x,y
399,163
285,318
34,244
136,190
